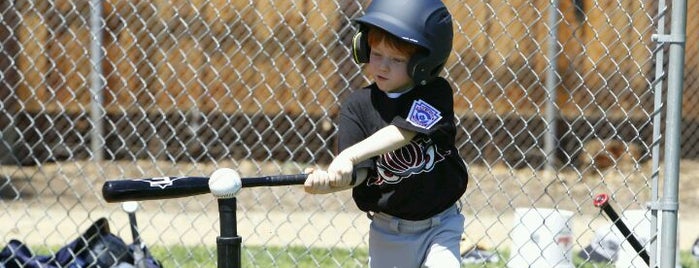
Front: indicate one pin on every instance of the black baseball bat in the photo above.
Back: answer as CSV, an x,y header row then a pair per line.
x,y
602,201
174,187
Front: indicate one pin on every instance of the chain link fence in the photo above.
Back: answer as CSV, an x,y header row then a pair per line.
x,y
555,103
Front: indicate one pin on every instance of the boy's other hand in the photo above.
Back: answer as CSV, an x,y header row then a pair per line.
x,y
317,181
340,171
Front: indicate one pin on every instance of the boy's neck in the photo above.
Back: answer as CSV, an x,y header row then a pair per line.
x,y
399,92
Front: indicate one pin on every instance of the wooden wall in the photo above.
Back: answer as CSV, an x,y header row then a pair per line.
x,y
504,52
240,58
227,60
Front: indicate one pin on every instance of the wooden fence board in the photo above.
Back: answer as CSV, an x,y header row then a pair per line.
x,y
238,64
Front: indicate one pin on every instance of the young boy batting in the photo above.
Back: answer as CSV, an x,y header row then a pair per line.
x,y
396,138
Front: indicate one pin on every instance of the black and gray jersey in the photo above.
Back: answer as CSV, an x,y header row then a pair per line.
x,y
420,179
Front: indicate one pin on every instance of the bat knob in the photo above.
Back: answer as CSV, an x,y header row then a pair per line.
x,y
600,200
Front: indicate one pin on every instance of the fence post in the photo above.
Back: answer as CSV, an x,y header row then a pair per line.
x,y
9,78
657,87
97,83
675,83
552,81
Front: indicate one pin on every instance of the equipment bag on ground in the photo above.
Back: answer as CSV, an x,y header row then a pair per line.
x,y
97,247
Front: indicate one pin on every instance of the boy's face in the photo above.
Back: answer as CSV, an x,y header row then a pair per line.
x,y
389,69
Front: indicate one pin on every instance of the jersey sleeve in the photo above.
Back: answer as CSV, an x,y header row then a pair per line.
x,y
431,113
351,131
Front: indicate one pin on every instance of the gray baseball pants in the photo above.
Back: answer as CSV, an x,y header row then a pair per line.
x,y
433,242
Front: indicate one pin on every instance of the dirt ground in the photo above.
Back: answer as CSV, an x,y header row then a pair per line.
x,y
51,203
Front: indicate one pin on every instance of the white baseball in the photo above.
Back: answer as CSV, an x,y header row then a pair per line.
x,y
225,183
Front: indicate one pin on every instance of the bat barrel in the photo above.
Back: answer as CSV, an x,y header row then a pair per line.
x,y
154,188
175,187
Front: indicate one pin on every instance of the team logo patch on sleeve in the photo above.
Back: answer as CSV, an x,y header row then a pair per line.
x,y
423,114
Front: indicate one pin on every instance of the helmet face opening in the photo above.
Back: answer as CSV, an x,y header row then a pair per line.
x,y
425,23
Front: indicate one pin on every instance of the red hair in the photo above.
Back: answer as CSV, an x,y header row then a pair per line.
x,y
378,36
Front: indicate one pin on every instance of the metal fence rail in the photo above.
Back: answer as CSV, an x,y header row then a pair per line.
x,y
557,101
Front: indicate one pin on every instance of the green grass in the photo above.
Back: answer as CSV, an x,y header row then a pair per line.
x,y
302,257
180,256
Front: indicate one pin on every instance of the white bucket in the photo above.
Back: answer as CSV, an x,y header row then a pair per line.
x,y
541,237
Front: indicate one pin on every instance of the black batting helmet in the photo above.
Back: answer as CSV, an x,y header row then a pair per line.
x,y
425,23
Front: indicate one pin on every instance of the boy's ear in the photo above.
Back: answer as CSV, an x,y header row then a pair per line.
x,y
360,47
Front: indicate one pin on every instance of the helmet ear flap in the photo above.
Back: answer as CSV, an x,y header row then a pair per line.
x,y
360,47
421,69
417,69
